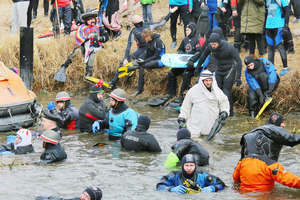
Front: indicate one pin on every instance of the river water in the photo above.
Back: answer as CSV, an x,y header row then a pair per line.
x,y
128,175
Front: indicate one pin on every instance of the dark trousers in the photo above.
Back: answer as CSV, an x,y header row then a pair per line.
x,y
65,15
225,82
237,32
172,80
46,7
252,38
274,41
183,11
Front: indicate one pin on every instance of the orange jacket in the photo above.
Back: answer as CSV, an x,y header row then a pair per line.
x,y
256,175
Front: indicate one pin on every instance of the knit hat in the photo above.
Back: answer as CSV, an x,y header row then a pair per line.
x,y
214,37
143,123
50,136
276,119
62,96
95,89
219,31
248,60
95,193
183,134
118,94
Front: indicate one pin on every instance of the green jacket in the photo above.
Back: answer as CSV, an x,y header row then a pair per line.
x,y
252,16
147,1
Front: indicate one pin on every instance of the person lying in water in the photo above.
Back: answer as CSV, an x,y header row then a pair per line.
x,y
189,180
90,193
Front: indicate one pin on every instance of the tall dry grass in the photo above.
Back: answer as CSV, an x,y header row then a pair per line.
x,y
50,53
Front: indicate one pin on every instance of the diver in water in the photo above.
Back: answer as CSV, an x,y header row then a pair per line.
x,y
19,144
67,115
53,150
139,140
258,168
120,118
90,193
189,180
185,145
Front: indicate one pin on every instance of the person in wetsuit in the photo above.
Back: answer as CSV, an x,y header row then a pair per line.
x,y
53,150
258,168
154,50
185,145
189,180
67,115
139,140
136,34
120,118
228,65
189,45
92,109
90,193
21,145
262,79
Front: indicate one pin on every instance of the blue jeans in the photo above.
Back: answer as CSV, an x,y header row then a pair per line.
x,y
65,15
147,13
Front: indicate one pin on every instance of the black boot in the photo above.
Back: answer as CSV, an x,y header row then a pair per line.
x,y
67,63
140,83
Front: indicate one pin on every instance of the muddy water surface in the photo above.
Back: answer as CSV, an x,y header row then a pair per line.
x,y
128,175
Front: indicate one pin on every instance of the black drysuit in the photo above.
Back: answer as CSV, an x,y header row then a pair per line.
x,y
53,153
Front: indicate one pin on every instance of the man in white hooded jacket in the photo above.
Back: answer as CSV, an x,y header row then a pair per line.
x,y
202,105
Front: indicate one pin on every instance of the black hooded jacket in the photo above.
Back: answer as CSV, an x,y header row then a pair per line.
x,y
190,44
53,153
266,142
189,146
91,110
139,140
155,48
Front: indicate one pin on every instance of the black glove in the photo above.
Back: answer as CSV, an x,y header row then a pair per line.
x,y
238,82
181,122
190,66
140,61
261,96
223,115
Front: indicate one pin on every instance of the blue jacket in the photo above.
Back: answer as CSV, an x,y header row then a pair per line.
x,y
175,178
181,3
270,70
121,122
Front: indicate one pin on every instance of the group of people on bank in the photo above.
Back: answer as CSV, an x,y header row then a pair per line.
x,y
206,101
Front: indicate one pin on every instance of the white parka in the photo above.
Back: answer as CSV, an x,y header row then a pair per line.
x,y
201,107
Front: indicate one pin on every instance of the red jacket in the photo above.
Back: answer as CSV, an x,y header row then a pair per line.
x,y
255,175
62,3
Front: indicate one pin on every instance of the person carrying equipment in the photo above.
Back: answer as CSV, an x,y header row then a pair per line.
x,y
21,143
136,34
276,22
67,115
53,150
139,140
90,193
92,109
228,64
262,79
258,168
189,180
154,50
119,119
189,45
202,105
89,38
185,145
